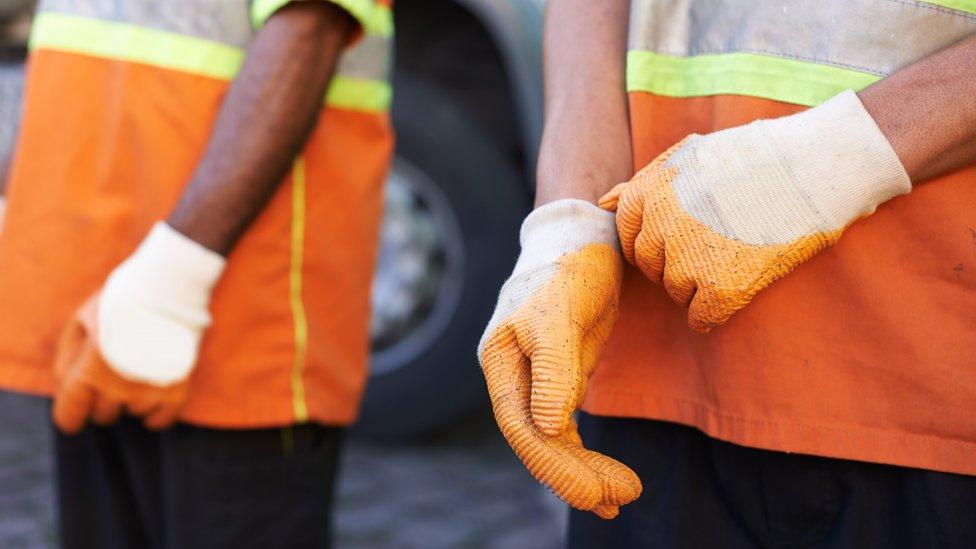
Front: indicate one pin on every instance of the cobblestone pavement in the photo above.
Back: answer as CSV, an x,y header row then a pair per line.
x,y
26,494
463,488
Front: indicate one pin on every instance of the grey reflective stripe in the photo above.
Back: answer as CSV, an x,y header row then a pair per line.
x,y
369,59
224,21
872,36
11,93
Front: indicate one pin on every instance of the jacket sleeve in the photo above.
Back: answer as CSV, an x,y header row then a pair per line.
x,y
373,16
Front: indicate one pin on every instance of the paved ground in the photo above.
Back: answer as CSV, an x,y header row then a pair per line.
x,y
26,493
459,489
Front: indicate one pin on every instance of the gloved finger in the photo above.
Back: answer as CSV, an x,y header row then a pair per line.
x,y
72,405
677,277
71,344
556,366
105,410
162,417
609,201
630,216
649,251
620,484
576,299
709,309
171,403
631,198
596,338
593,344
547,459
145,405
606,512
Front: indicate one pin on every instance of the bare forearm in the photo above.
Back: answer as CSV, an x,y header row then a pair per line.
x,y
927,112
586,146
265,121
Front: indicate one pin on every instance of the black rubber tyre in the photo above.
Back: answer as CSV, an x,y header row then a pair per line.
x,y
441,384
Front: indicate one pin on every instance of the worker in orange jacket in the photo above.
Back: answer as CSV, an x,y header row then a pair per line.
x,y
769,328
181,266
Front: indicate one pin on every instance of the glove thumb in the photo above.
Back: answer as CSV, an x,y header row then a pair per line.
x,y
609,201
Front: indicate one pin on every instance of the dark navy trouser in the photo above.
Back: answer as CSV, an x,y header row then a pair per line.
x,y
702,493
124,487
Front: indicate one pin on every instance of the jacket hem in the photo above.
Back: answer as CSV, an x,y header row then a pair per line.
x,y
29,381
869,444
38,382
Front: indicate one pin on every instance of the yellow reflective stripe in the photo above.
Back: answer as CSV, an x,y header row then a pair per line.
x,y
776,78
295,290
122,41
359,94
125,42
374,18
961,5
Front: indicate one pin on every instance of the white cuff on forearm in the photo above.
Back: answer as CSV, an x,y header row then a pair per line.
x,y
155,306
562,227
839,158
173,269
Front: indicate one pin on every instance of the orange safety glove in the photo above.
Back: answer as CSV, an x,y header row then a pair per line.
x,y
719,217
89,388
131,348
554,316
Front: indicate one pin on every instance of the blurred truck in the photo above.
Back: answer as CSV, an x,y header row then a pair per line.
x,y
468,113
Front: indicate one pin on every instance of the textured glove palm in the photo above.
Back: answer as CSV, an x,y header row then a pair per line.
x,y
553,318
719,217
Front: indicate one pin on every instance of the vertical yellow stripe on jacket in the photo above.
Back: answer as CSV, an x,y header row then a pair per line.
x,y
295,290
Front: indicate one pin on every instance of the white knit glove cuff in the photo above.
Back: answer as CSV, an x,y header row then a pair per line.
x,y
562,227
548,233
154,307
839,158
774,181
3,210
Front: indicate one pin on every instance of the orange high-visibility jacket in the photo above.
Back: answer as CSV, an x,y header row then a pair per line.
x,y
119,103
866,352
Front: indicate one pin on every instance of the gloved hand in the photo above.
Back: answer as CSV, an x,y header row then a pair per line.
x,y
552,320
719,217
132,346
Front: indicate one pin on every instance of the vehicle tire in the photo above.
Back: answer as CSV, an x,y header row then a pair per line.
x,y
429,377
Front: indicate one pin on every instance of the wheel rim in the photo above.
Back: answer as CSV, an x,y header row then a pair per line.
x,y
419,276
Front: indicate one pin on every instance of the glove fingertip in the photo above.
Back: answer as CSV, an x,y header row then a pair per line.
x,y
707,311
66,424
626,487
69,411
610,200
606,512
699,327
106,412
162,418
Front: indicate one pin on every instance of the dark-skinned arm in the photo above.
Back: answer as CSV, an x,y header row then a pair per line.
x,y
151,313
270,110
